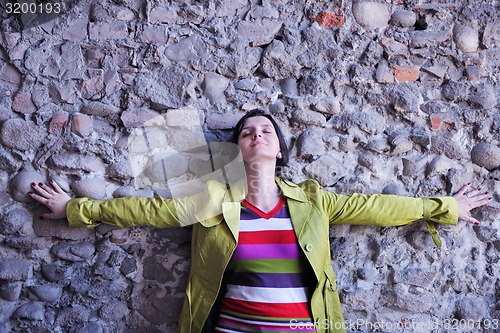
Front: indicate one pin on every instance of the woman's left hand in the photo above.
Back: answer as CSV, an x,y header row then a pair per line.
x,y
469,199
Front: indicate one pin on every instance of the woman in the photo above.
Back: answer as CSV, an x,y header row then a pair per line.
x,y
260,251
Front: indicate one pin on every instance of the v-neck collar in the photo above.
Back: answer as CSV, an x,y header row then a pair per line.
x,y
263,214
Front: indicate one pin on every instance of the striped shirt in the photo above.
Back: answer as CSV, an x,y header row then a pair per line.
x,y
267,289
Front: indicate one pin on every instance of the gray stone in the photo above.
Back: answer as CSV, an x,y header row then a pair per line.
x,y
70,161
15,269
54,272
99,109
34,311
486,155
329,105
108,30
443,144
114,311
403,18
174,81
427,38
277,64
466,38
73,252
455,91
8,162
438,166
421,277
20,185
310,143
368,121
309,118
75,314
260,32
61,181
126,191
13,220
94,188
328,169
214,86
371,15
166,168
188,49
88,328
56,228
20,134
472,308
483,96
27,243
11,291
47,293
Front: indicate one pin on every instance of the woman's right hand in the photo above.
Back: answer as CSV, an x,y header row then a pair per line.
x,y
53,197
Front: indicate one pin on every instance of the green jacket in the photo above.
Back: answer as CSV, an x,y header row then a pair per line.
x,y
215,236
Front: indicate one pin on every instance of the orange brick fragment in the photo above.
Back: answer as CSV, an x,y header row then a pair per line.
x,y
330,19
406,73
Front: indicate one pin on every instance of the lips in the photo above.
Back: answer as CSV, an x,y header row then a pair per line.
x,y
257,143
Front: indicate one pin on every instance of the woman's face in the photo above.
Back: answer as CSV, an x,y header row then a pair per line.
x,y
258,140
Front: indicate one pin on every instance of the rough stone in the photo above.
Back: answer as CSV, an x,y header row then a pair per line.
x,y
15,269
260,32
188,49
8,162
34,311
56,228
486,155
174,81
214,86
466,38
73,252
99,109
81,124
20,134
329,168
20,185
74,162
310,143
403,18
23,103
13,220
371,15
108,30
277,64
483,96
11,291
47,293
94,188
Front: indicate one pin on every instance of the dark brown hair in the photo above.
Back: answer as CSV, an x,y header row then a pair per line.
x,y
285,154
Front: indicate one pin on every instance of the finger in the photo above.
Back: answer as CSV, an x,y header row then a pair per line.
x,y
473,220
46,188
484,200
40,190
464,188
38,198
56,186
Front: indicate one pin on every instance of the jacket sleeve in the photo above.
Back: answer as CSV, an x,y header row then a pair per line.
x,y
388,210
133,211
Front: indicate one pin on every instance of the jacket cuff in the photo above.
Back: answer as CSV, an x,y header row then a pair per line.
x,y
79,213
441,210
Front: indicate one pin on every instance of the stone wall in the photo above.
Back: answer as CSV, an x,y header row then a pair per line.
x,y
396,97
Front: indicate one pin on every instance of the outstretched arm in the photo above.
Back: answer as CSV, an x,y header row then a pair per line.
x,y
469,199
53,197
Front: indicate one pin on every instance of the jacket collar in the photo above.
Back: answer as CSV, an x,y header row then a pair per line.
x,y
291,190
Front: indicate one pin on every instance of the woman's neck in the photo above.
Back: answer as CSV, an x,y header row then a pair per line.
x,y
262,190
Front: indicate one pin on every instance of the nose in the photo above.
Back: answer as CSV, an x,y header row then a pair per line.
x,y
257,135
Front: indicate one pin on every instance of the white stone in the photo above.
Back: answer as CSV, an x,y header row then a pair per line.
x,y
371,15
